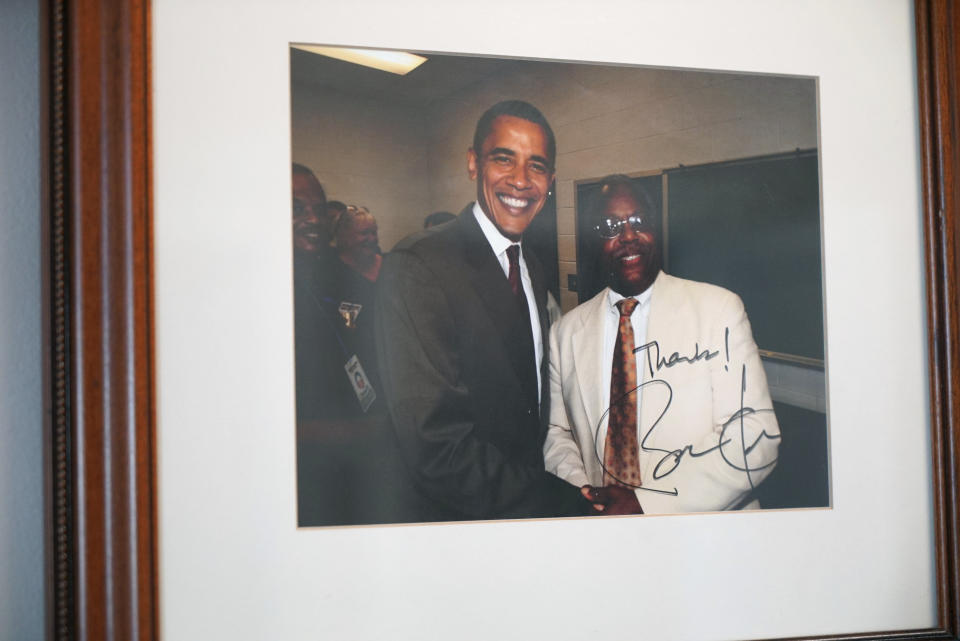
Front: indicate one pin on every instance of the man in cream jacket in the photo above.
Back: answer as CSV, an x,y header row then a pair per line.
x,y
705,432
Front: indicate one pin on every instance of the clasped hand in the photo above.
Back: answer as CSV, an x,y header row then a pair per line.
x,y
612,499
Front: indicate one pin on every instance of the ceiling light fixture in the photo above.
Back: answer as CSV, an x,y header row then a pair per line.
x,y
398,62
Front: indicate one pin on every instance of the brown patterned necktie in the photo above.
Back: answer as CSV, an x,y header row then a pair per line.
x,y
621,453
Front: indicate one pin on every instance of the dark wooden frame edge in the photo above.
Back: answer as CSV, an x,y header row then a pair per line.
x,y
102,495
102,511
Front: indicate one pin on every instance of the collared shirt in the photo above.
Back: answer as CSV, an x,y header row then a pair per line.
x,y
611,327
499,244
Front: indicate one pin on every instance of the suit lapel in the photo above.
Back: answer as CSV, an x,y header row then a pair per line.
x,y
666,305
540,296
539,289
587,343
493,289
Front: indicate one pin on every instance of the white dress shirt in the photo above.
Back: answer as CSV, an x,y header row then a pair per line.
x,y
499,244
611,327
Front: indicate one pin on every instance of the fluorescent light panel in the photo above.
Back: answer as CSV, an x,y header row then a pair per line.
x,y
398,62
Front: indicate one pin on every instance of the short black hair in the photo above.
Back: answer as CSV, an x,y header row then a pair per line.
x,y
302,169
610,185
517,109
437,218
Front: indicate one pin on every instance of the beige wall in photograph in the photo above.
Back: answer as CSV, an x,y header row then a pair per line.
x,y
624,120
404,162
365,152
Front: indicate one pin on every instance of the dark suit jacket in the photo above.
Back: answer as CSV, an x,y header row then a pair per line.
x,y
460,381
323,342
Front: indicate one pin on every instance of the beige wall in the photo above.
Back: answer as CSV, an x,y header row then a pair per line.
x,y
365,152
625,120
404,163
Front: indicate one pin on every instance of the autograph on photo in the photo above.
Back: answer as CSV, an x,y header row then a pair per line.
x,y
734,451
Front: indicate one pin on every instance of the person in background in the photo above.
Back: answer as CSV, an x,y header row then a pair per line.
x,y
335,209
333,298
344,289
437,218
348,469
659,401
357,243
313,343
312,226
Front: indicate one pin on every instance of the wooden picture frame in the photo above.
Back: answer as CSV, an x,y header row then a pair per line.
x,y
102,538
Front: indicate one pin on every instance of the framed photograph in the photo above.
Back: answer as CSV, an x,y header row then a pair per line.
x,y
174,508
730,165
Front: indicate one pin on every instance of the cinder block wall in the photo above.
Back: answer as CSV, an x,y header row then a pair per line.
x,y
405,162
365,152
624,120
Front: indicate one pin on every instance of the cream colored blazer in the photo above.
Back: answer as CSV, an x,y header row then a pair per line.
x,y
708,434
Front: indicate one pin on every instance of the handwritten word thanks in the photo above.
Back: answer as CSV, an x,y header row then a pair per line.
x,y
654,359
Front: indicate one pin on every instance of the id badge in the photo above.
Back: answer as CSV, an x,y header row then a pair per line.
x,y
361,384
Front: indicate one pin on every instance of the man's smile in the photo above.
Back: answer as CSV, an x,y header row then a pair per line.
x,y
514,202
308,231
631,255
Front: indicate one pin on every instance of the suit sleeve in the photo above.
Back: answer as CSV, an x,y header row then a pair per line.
x,y
743,423
561,453
417,343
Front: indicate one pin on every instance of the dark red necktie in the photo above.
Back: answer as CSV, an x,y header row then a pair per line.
x,y
526,344
513,255
621,452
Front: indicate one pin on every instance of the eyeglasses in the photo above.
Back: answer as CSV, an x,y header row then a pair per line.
x,y
610,228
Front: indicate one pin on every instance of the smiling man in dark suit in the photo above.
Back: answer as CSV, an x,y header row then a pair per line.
x,y
460,328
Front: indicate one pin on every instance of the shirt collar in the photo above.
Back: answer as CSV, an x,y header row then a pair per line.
x,y
642,298
498,242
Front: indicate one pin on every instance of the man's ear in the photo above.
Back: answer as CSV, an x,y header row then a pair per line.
x,y
472,163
